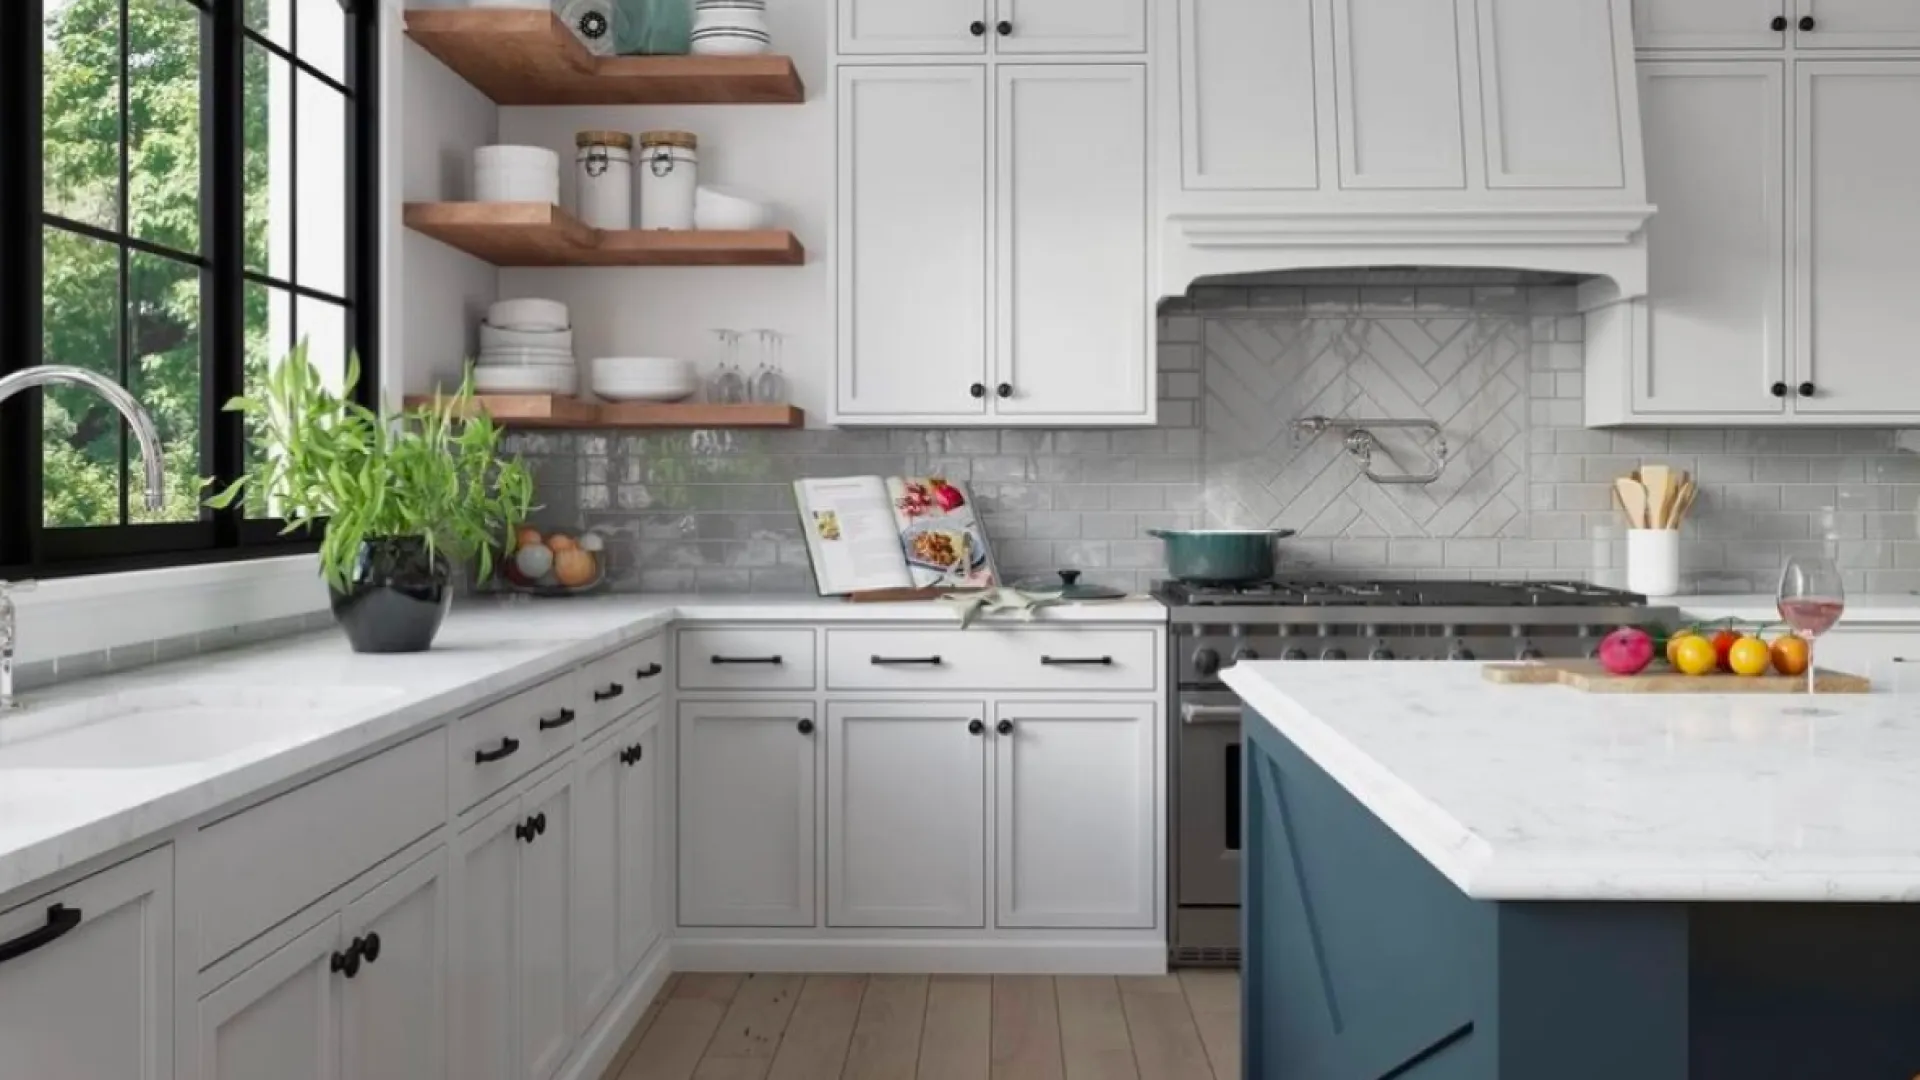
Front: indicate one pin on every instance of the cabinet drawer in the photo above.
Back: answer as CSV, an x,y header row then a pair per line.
x,y
499,744
992,659
263,864
618,683
746,658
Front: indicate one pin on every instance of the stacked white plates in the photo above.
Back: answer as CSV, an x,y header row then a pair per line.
x,y
730,27
644,378
526,347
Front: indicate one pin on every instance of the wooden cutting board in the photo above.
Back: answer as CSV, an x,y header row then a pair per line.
x,y
1589,676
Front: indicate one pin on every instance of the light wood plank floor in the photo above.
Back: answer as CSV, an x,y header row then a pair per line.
x,y
938,1027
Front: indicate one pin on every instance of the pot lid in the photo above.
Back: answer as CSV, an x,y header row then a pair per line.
x,y
1066,584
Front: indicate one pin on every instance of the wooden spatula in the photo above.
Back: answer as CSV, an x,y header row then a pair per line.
x,y
1658,480
1684,504
1633,499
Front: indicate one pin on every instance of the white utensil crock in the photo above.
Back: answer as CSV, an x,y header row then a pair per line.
x,y
1653,561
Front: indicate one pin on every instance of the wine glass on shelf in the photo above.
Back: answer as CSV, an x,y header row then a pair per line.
x,y
1811,599
728,386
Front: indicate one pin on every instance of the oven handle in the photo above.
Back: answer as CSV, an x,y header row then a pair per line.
x,y
1209,714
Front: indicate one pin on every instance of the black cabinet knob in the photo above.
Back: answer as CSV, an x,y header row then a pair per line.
x,y
979,29
631,755
1806,389
1005,390
1807,23
524,831
1779,24
540,823
978,390
1779,389
975,727
1006,28
371,948
806,727
347,962
1004,727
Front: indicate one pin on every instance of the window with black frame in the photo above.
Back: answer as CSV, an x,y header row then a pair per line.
x,y
195,195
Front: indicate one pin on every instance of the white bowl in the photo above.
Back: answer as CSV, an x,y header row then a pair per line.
x,y
500,337
525,358
506,156
525,380
729,41
516,174
729,208
528,314
643,378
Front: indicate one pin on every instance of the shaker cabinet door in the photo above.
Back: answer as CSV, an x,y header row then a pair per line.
x,y
1856,24
1070,26
640,824
747,813
546,1027
395,1014
1712,24
486,887
596,969
280,1018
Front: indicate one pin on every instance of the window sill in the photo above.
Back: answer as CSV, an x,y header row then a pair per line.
x,y
79,615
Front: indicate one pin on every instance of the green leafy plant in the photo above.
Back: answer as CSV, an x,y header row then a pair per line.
x,y
324,459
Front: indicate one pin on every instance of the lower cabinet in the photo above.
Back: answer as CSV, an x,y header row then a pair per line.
x,y
907,814
614,820
1075,839
86,977
747,776
546,1030
640,825
357,994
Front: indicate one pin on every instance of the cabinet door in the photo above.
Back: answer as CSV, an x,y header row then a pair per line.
x,y
1074,804
1070,26
1552,114
486,885
906,27
907,814
640,824
1856,232
1397,69
87,992
596,971
546,1034
747,814
1859,24
1711,24
912,251
1249,116
1716,168
280,1018
1072,241
395,1007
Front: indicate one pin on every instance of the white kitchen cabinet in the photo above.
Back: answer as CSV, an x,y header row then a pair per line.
x,y
1716,167
1551,115
906,814
1857,225
483,961
280,1018
86,989
1857,24
1712,24
596,970
546,1028
639,843
1068,26
1397,70
1248,116
747,825
905,27
1074,791
394,1011
1071,237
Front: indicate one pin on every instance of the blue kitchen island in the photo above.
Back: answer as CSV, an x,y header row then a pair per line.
x,y
1451,880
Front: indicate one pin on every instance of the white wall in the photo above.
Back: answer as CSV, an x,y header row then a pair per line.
x,y
783,152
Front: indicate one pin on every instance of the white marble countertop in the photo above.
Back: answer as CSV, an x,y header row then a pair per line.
x,y
54,815
1547,793
1880,609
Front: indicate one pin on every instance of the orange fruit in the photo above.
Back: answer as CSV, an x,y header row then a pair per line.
x,y
1672,642
1790,655
1695,655
574,567
527,537
560,542
1748,656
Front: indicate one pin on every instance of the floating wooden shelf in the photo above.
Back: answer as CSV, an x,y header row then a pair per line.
x,y
541,234
529,57
550,411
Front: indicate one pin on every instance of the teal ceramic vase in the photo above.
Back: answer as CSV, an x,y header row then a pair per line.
x,y
652,27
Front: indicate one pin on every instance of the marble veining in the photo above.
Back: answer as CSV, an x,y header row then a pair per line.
x,y
1546,793
313,702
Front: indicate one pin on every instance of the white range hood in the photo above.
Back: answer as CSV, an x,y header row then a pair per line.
x,y
1309,134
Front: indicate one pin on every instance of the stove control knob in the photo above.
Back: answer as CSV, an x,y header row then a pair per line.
x,y
1294,654
1380,652
1335,653
1460,652
1206,661
1529,653
1243,653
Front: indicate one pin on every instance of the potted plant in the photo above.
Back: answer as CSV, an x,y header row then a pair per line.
x,y
399,499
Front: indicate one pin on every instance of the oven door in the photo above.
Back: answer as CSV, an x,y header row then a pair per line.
x,y
1209,794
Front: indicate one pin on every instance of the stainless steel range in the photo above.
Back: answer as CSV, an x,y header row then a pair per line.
x,y
1215,627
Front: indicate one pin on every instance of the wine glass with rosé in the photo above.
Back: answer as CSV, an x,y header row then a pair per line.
x,y
1811,599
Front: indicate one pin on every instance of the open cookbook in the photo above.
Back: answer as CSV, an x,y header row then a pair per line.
x,y
899,532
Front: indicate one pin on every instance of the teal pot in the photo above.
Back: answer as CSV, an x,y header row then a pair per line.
x,y
397,596
652,27
1220,556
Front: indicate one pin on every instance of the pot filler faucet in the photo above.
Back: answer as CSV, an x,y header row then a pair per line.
x,y
137,418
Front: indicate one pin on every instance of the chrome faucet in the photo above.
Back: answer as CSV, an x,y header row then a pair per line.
x,y
137,418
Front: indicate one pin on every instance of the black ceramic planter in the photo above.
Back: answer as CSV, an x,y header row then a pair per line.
x,y
399,595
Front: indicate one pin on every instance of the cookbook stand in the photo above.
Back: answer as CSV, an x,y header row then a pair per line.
x,y
895,596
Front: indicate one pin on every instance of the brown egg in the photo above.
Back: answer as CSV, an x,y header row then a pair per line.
x,y
527,537
574,567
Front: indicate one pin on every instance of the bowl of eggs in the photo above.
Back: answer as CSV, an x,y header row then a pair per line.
x,y
555,563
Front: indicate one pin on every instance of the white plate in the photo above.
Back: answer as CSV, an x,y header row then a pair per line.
x,y
525,380
497,337
524,358
648,369
528,314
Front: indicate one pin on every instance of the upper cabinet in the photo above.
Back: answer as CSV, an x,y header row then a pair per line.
x,y
1551,94
1249,119
1777,24
970,27
1857,24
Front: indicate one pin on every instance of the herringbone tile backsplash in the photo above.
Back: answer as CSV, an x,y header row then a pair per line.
x,y
1524,493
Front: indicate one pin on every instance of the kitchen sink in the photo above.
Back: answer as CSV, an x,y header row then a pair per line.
x,y
174,725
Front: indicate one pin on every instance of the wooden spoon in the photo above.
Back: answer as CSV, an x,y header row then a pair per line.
x,y
1684,505
1633,499
1658,480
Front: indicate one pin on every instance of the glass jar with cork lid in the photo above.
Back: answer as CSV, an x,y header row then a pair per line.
x,y
603,179
669,176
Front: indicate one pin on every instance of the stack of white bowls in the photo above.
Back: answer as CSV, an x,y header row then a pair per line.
x,y
526,347
730,27
644,378
516,174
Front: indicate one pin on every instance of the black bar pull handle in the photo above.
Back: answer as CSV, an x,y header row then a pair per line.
x,y
1077,661
903,661
747,660
508,746
61,921
565,717
648,672
612,691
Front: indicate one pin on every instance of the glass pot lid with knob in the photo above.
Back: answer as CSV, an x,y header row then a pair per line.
x,y
1066,585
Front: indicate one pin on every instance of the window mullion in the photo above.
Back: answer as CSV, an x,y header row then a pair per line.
x,y
224,350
